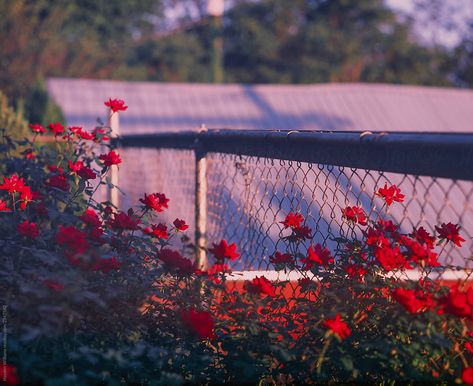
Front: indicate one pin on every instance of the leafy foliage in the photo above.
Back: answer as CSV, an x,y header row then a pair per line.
x,y
96,295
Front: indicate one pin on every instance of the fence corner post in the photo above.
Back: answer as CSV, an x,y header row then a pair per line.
x,y
201,203
114,124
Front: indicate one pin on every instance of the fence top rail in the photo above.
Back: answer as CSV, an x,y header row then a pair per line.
x,y
448,155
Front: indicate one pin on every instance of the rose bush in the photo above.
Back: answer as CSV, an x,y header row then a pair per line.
x,y
94,294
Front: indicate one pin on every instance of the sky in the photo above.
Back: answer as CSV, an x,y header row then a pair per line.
x,y
460,12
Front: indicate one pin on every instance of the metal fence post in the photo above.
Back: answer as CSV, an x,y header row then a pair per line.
x,y
201,204
114,124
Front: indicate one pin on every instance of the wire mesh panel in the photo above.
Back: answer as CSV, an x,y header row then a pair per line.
x,y
250,196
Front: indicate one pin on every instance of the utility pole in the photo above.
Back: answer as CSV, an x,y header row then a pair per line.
x,y
215,9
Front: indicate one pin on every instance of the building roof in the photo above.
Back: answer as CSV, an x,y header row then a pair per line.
x,y
157,107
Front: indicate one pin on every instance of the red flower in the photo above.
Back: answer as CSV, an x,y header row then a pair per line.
x,y
414,301
13,184
106,264
124,221
458,302
338,327
293,220
317,255
261,285
87,173
55,169
90,217
354,214
116,105
95,234
112,158
387,225
58,182
56,128
357,271
303,232
180,225
423,237
3,206
391,194
75,166
81,133
281,258
200,322
155,201
418,252
160,231
223,250
467,375
37,128
8,375
391,258
469,347
29,154
28,229
450,232
175,262
53,285
73,239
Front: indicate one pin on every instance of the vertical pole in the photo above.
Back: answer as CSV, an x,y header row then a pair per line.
x,y
201,205
114,123
215,9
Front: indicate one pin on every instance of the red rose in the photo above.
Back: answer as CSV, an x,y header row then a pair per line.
x,y
28,229
414,301
391,258
200,322
58,182
4,207
56,128
155,201
223,250
123,221
112,158
73,239
424,237
338,327
261,285
450,232
281,258
293,220
175,262
13,184
106,264
317,255
180,225
354,214
37,128
8,375
160,231
116,105
91,218
391,194
467,375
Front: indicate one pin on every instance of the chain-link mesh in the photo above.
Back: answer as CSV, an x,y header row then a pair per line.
x,y
248,197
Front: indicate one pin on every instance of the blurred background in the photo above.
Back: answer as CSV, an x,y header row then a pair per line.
x,y
415,42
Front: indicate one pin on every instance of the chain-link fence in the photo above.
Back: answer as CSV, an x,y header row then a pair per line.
x,y
254,179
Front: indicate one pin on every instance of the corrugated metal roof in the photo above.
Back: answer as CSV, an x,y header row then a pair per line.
x,y
159,107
